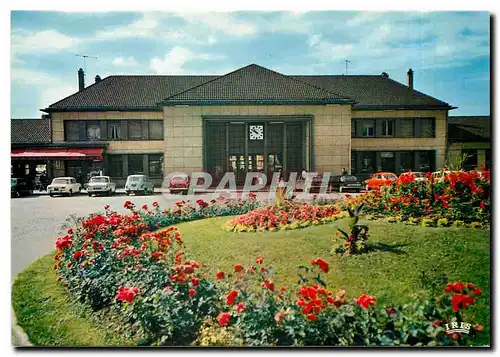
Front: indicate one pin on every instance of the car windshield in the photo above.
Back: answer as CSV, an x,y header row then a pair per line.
x,y
134,178
99,179
348,178
180,177
60,181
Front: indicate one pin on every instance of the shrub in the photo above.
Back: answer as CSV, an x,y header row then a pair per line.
x,y
356,239
463,196
443,222
428,222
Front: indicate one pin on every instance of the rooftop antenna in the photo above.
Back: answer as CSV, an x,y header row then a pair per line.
x,y
84,62
346,62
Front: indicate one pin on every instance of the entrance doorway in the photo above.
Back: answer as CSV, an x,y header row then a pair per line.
x,y
255,145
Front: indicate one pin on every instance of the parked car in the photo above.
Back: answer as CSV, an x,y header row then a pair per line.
x,y
419,176
346,183
19,187
101,185
64,186
179,184
139,184
379,179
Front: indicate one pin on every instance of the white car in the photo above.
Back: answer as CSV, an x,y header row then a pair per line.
x,y
64,186
101,185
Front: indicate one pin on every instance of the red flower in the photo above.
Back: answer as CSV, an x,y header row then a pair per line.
x,y
268,284
224,318
479,328
448,288
126,293
145,207
241,307
231,297
477,291
481,204
321,263
192,292
252,195
366,300
128,205
260,259
238,268
155,204
64,242
219,275
471,286
106,207
436,323
311,317
157,255
78,254
283,289
202,203
195,281
458,287
70,231
459,301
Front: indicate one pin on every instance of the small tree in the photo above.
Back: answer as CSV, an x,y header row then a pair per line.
x,y
356,239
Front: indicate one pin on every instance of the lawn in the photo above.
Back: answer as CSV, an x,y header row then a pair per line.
x,y
391,273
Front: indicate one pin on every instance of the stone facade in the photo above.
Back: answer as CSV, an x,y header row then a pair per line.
x,y
184,143
437,143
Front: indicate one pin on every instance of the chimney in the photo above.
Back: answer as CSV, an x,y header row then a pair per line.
x,y
97,78
385,75
410,78
81,79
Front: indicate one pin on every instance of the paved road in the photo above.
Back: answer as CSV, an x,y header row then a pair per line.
x,y
36,221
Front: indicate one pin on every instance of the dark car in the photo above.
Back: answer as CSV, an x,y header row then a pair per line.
x,y
20,187
343,183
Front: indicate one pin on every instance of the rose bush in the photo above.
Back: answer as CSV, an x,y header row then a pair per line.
x,y
288,215
461,196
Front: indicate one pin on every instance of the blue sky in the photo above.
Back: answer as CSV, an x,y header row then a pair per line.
x,y
448,51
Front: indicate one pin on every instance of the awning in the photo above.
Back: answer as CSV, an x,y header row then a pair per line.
x,y
60,154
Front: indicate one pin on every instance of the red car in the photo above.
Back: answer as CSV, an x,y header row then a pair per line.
x,y
179,184
380,179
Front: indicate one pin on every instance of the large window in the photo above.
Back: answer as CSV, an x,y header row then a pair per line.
x,y
114,130
155,165
115,165
387,127
134,129
424,127
135,164
368,128
470,159
405,128
155,129
71,130
405,162
93,130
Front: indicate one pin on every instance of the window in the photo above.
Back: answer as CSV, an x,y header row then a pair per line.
x,y
115,165
387,128
135,165
134,129
114,128
368,129
367,162
93,130
487,158
426,160
425,127
71,130
386,161
405,128
470,161
155,129
155,165
353,128
405,161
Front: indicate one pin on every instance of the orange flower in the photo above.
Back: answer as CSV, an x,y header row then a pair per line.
x,y
238,268
219,275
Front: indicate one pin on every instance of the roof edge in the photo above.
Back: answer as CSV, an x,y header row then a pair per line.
x,y
260,102
102,109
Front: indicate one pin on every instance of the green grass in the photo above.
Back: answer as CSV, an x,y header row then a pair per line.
x,y
50,318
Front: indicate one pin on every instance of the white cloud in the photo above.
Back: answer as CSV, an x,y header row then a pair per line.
x,y
314,40
124,62
23,41
144,27
220,22
176,59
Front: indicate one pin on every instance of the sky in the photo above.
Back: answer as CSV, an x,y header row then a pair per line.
x,y
449,52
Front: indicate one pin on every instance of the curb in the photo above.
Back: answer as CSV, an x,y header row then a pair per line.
x,y
19,338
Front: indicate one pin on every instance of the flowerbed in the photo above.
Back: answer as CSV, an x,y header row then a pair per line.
x,y
115,261
289,215
461,199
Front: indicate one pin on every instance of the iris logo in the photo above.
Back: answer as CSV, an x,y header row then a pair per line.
x,y
455,327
